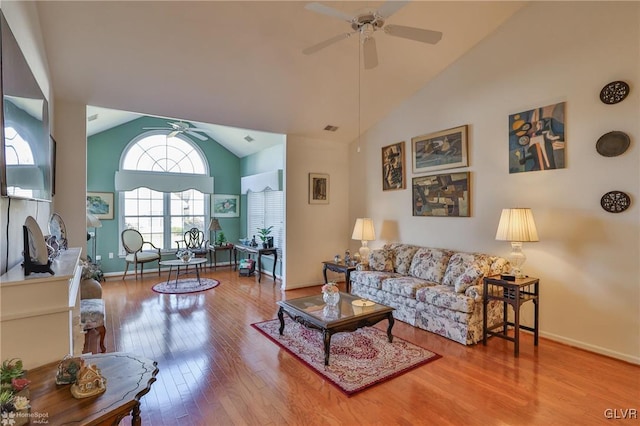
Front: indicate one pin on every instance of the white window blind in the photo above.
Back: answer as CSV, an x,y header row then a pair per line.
x,y
266,209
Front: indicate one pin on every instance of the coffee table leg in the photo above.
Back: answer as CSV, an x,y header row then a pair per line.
x,y
327,345
135,415
391,321
281,318
198,273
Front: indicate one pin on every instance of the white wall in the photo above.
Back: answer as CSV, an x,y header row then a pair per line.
x,y
587,259
315,232
24,23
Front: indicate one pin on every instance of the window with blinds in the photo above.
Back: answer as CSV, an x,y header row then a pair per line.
x,y
266,209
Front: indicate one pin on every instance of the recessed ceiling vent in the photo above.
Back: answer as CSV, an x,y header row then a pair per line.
x,y
249,139
92,117
330,128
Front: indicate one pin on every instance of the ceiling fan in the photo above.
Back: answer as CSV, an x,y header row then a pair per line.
x,y
180,127
365,23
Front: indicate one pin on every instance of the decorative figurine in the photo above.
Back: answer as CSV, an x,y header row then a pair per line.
x,y
254,243
68,370
90,382
336,258
347,257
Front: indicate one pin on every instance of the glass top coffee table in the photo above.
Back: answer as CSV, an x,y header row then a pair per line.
x,y
312,312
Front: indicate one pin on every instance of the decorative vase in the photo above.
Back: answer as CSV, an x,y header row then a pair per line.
x,y
331,299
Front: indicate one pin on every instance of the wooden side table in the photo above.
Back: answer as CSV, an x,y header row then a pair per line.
x,y
129,377
271,251
513,293
339,267
213,250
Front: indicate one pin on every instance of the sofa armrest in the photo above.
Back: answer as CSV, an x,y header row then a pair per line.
x,y
475,292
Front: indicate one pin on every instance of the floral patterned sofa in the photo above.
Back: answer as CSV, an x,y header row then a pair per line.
x,y
434,289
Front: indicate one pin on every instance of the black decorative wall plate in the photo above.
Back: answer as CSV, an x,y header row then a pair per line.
x,y
615,201
614,92
612,144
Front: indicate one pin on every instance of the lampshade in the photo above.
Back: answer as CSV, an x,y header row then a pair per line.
x,y
517,225
214,225
93,221
363,230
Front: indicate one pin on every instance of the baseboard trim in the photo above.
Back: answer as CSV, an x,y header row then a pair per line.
x,y
592,348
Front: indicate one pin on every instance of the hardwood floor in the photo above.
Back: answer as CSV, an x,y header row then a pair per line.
x,y
215,369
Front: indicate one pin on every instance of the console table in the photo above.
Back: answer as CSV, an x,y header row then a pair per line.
x,y
513,293
272,251
40,313
129,377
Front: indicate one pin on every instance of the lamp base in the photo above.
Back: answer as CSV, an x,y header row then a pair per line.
x,y
364,252
517,259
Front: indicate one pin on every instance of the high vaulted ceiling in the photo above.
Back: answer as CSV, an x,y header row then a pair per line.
x,y
240,64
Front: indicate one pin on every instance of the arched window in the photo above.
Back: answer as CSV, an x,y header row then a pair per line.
x,y
164,187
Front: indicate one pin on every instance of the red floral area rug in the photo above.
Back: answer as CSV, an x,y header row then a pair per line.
x,y
188,285
357,361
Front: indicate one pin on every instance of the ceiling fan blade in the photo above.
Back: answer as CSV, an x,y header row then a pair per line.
x,y
391,7
155,128
417,34
329,11
197,135
172,134
370,53
322,45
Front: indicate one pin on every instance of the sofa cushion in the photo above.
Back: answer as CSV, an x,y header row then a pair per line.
x,y
466,269
404,255
430,264
371,279
445,296
404,286
381,260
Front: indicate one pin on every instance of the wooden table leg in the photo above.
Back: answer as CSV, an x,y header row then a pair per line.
x,y
326,336
281,318
390,327
259,267
275,260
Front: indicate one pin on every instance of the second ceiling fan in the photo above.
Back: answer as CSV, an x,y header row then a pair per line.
x,y
368,22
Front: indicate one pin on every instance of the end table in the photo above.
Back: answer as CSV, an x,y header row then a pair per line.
x,y
513,293
339,267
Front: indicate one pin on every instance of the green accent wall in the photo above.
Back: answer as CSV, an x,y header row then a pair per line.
x,y
104,151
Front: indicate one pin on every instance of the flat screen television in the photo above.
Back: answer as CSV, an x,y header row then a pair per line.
x,y
26,148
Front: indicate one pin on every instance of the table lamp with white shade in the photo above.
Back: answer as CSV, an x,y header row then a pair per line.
x,y
517,225
363,231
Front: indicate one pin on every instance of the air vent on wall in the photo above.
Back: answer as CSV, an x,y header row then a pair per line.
x,y
248,138
330,128
92,117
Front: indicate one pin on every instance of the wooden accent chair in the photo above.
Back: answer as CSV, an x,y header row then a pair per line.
x,y
194,240
133,243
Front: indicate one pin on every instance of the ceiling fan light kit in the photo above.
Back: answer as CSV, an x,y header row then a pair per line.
x,y
366,24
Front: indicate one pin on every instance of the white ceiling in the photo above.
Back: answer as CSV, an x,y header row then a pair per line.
x,y
239,63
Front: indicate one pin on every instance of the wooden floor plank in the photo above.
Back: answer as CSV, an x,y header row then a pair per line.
x,y
215,369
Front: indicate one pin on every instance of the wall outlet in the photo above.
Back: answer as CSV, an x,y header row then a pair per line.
x,y
98,258
110,255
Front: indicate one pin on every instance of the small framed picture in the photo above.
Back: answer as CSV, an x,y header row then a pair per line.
x,y
446,149
223,205
318,188
100,204
393,170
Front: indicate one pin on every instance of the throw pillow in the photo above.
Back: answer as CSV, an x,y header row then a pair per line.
x,y
381,260
471,276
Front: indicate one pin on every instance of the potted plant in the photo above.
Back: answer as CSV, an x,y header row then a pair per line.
x,y
264,233
221,239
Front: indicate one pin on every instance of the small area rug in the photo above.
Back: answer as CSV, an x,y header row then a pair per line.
x,y
357,361
186,285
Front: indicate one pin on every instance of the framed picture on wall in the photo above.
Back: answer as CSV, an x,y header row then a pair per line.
x,y
446,149
393,170
445,195
223,205
100,204
318,188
